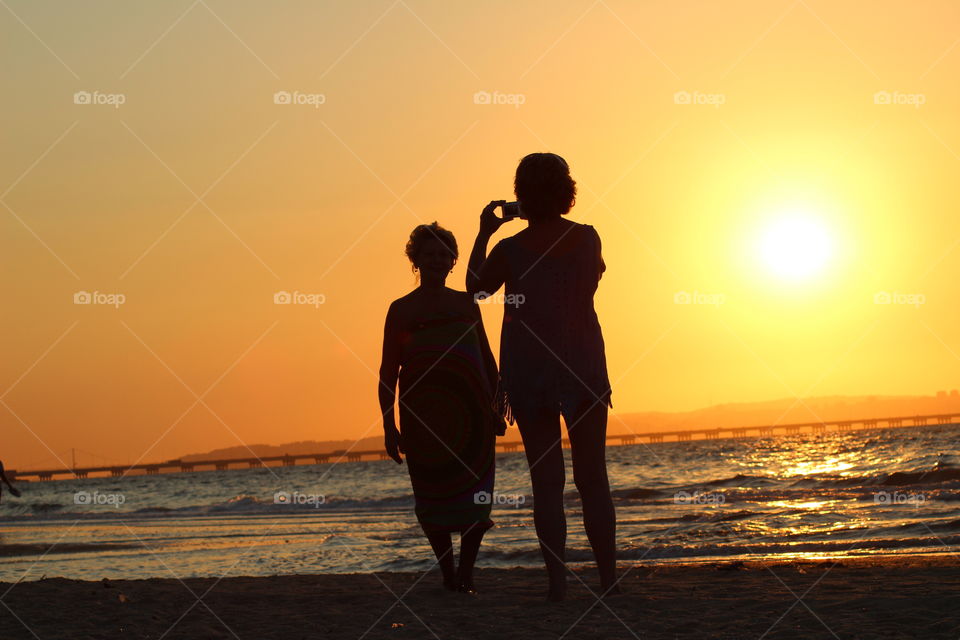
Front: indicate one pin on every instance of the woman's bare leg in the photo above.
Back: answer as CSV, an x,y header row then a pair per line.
x,y
541,443
588,439
443,549
469,548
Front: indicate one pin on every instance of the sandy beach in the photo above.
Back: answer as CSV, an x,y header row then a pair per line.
x,y
917,597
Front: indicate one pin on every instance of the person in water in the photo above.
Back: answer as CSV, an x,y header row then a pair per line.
x,y
434,345
3,477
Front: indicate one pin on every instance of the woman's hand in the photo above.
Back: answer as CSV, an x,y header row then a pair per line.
x,y
393,443
489,221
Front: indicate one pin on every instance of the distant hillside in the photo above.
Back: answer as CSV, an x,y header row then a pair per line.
x,y
304,446
783,411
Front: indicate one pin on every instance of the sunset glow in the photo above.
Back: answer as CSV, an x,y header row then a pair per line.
x,y
795,246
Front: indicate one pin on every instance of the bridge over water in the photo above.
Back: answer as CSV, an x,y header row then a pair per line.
x,y
349,455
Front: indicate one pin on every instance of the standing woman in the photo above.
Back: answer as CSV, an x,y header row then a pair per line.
x,y
435,346
552,359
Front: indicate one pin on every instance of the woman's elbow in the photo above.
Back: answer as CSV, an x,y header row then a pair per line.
x,y
473,285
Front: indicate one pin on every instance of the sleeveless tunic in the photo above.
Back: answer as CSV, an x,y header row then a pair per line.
x,y
551,346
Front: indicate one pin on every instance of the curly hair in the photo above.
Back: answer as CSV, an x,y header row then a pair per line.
x,y
424,232
544,187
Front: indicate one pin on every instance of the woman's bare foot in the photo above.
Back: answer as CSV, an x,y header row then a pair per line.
x,y
465,582
467,587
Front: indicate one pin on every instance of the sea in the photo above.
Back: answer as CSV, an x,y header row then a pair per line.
x,y
829,495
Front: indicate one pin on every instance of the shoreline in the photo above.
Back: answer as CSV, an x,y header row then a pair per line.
x,y
863,597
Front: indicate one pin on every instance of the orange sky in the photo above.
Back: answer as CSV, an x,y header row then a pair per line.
x,y
199,197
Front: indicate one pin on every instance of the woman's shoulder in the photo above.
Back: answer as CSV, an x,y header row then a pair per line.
x,y
587,230
562,242
398,313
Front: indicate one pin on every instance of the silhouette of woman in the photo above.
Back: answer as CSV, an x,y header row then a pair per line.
x,y
552,359
3,477
447,377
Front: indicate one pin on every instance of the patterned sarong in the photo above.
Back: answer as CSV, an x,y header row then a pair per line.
x,y
447,423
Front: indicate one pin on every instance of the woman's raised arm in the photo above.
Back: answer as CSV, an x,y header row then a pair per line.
x,y
486,273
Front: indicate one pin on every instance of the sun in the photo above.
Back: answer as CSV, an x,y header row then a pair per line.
x,y
795,246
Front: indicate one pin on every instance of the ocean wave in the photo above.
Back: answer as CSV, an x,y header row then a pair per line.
x,y
531,555
242,504
749,494
38,549
742,480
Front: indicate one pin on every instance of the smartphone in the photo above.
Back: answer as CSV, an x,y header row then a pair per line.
x,y
510,210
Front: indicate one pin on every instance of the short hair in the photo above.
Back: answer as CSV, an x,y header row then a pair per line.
x,y
423,232
544,187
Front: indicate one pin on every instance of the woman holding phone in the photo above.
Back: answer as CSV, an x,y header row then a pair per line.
x,y
552,359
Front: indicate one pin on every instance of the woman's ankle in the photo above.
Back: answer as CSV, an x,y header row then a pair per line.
x,y
450,583
609,584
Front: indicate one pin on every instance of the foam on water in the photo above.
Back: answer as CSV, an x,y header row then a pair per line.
x,y
883,491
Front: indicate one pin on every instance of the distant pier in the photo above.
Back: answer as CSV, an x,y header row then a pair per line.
x,y
349,455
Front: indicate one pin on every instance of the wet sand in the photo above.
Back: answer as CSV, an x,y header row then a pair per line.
x,y
915,597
